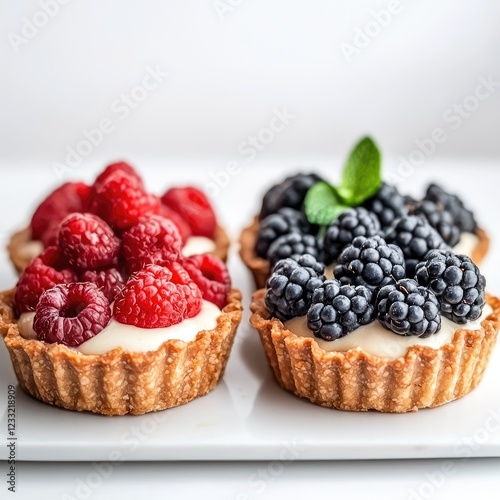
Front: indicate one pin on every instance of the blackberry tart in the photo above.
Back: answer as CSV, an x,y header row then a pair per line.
x,y
113,317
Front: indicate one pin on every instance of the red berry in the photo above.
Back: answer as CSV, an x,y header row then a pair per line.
x,y
154,240
87,242
194,207
191,290
50,237
211,276
110,281
43,273
151,300
121,201
182,225
120,166
68,198
71,314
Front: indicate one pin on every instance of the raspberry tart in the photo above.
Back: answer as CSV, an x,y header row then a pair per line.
x,y
118,195
380,313
305,213
114,316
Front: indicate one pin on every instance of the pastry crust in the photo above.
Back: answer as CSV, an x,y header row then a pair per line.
x,y
21,260
260,267
358,381
121,382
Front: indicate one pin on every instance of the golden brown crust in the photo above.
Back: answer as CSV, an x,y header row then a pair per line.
x,y
21,260
358,381
260,267
120,382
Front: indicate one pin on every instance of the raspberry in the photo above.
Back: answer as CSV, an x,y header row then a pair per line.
x,y
182,225
50,238
121,201
194,208
154,240
120,166
87,242
289,193
370,262
295,243
337,310
110,281
387,204
351,223
45,272
191,290
68,198
408,309
212,277
284,221
151,300
71,314
457,283
415,236
291,285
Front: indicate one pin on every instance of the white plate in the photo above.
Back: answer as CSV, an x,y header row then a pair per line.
x,y
248,417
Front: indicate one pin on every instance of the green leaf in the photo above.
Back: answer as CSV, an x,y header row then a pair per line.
x,y
361,177
323,204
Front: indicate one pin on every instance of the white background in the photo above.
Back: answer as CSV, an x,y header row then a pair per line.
x,y
227,74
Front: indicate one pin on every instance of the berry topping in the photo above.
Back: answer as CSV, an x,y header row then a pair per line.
x,y
120,166
211,276
462,217
87,242
387,204
45,272
71,314
284,221
291,285
151,300
121,200
289,193
110,281
440,219
457,283
415,236
342,231
337,310
154,240
194,207
408,309
295,243
182,225
68,198
370,262
191,290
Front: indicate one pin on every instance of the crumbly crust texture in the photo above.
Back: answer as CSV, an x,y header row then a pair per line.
x,y
358,381
260,268
21,238
121,382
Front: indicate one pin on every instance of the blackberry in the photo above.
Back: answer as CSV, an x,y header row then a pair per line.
x,y
407,308
337,310
415,236
275,225
387,204
370,262
457,283
291,285
351,223
294,243
440,219
462,216
289,193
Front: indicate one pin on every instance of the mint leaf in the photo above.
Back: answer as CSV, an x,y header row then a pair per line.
x,y
361,177
323,204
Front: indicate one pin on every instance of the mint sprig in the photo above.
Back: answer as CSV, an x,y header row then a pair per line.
x,y
361,179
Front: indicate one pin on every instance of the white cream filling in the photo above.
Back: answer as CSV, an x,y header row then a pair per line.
x,y
467,244
377,340
198,244
134,339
